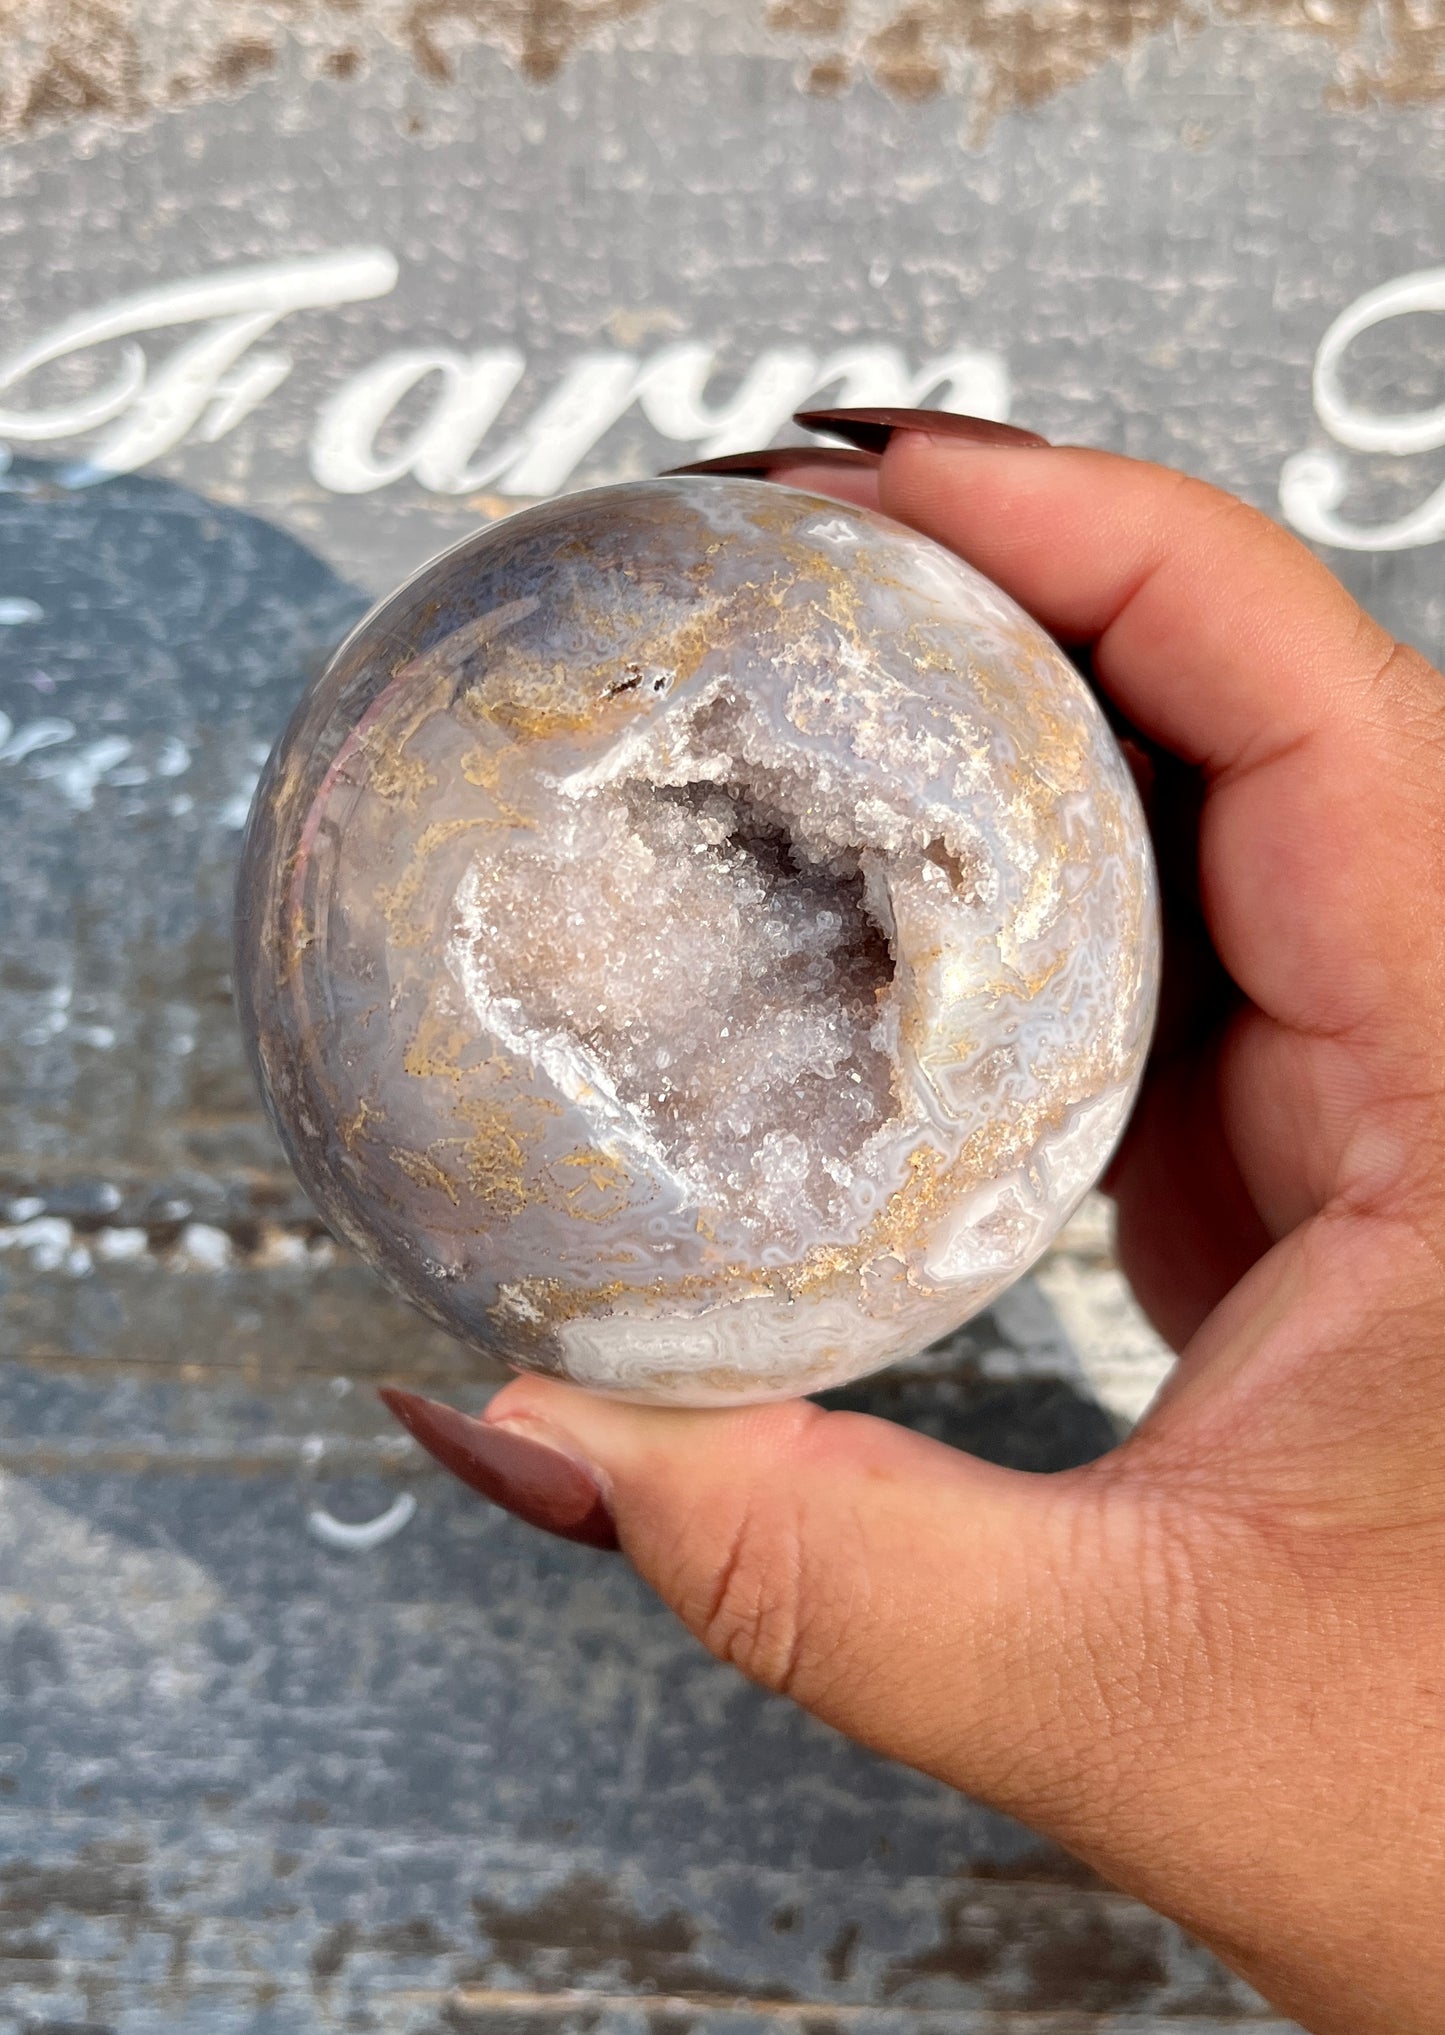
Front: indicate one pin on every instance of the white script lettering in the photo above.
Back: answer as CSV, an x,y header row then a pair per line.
x,y
594,392
209,383
1313,485
202,381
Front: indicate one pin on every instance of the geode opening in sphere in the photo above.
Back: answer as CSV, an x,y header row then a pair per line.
x,y
699,940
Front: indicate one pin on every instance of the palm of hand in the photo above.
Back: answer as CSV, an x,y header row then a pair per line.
x,y
1213,1664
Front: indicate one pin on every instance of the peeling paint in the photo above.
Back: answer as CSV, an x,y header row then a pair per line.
x,y
539,35
129,59
1003,55
586,1931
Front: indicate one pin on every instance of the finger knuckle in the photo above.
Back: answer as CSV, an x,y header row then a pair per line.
x,y
1247,532
1410,693
743,1583
750,1606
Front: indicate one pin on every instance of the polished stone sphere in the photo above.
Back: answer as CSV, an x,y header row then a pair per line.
x,y
698,940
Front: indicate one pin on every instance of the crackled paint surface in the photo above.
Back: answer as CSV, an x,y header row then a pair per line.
x,y
925,775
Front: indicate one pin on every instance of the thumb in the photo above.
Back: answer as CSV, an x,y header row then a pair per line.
x,y
971,1621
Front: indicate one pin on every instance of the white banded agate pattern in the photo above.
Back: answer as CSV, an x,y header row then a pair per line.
x,y
698,940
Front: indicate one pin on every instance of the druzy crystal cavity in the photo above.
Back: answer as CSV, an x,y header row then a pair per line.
x,y
698,940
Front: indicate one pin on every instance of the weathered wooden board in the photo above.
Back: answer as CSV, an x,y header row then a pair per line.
x,y
470,1780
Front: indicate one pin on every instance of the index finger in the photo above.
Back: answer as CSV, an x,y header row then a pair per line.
x,y
1224,640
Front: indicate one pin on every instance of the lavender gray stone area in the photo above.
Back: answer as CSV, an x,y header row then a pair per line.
x,y
700,940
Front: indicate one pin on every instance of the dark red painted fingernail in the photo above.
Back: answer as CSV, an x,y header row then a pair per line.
x,y
760,465
536,1482
871,430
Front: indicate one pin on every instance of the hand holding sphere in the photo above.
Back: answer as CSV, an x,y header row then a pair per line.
x,y
1210,1664
700,940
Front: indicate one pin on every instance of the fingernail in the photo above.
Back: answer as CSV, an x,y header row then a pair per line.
x,y
871,430
524,1476
761,465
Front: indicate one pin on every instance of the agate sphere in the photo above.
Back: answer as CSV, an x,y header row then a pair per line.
x,y
698,940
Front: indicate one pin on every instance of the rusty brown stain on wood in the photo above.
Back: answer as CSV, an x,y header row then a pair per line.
x,y
1040,1947
237,63
583,1949
65,59
539,34
83,59
1021,53
584,1928
106,1879
808,17
68,58
416,1936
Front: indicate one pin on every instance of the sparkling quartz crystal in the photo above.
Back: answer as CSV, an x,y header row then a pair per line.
x,y
698,940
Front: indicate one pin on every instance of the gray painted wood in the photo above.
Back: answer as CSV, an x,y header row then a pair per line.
x,y
471,1780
